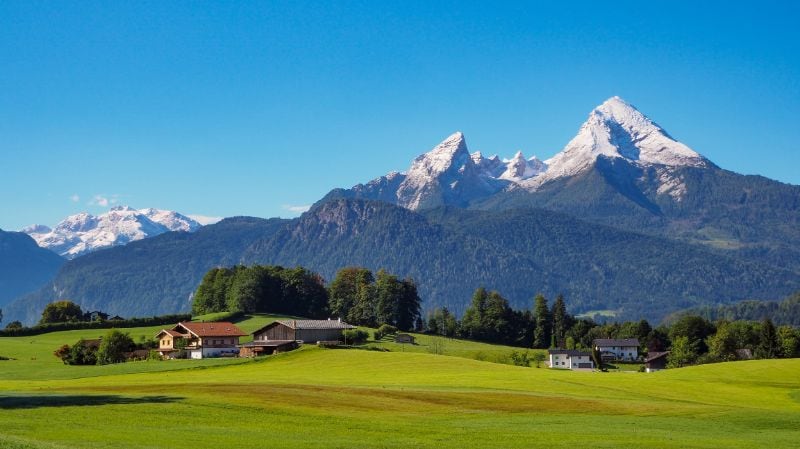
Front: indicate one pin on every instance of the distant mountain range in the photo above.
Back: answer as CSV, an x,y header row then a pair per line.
x,y
621,170
450,175
625,217
83,233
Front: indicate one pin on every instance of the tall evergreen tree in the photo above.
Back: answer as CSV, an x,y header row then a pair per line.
x,y
408,308
472,323
560,318
541,317
768,340
496,318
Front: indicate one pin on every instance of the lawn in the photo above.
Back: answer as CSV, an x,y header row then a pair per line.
x,y
354,398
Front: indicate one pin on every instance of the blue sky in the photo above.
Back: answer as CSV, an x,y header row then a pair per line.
x,y
236,108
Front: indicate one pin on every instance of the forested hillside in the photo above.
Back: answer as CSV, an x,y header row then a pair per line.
x,y
448,252
24,266
149,277
785,312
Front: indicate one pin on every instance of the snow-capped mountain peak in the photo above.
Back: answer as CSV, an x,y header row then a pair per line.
x,y
449,175
519,168
450,152
617,129
82,233
36,228
490,166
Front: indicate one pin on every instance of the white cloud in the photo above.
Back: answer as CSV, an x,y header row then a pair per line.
x,y
104,200
204,219
296,209
75,198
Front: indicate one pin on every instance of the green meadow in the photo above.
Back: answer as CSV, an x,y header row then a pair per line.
x,y
391,396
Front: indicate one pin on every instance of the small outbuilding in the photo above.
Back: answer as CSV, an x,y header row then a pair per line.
x,y
257,348
304,331
655,361
404,338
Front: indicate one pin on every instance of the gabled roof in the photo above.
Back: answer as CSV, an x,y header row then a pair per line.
x,y
569,352
316,324
172,333
617,342
655,356
218,329
310,324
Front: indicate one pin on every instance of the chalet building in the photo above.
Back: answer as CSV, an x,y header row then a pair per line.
x,y
570,359
303,331
199,340
626,349
655,361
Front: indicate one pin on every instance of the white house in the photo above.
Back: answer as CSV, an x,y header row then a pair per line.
x,y
570,359
625,349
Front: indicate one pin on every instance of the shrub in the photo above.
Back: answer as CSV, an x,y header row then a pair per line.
x,y
539,357
384,330
355,336
113,347
63,353
520,358
14,325
132,322
82,354
437,346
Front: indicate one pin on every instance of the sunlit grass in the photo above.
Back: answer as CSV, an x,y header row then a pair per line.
x,y
355,398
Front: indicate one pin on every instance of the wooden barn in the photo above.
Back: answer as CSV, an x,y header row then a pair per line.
x,y
656,361
306,331
266,347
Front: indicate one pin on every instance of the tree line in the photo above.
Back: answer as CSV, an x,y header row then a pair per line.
x,y
691,338
356,294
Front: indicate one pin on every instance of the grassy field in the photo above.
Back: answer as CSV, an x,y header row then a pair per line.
x,y
354,398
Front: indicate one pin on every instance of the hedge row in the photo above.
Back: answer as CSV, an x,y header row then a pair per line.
x,y
131,322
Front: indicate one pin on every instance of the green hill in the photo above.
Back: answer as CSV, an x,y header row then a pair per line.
x,y
353,398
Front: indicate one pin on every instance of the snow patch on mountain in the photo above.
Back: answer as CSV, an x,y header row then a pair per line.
x,y
82,233
519,168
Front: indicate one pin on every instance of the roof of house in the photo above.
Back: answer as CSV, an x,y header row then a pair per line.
x,y
655,356
617,342
316,324
218,329
267,343
569,352
310,324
